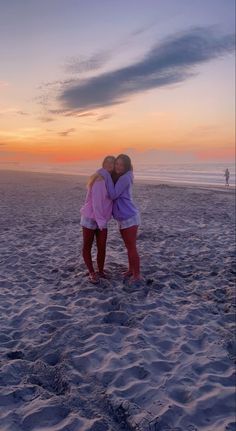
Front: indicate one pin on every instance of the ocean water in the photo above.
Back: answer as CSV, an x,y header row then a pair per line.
x,y
205,174
187,173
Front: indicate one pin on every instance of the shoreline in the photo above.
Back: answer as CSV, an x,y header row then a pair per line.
x,y
144,181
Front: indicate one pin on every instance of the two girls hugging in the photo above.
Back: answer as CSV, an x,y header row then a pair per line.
x,y
109,193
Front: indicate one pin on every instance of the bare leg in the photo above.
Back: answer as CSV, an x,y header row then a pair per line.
x,y
88,237
129,236
101,239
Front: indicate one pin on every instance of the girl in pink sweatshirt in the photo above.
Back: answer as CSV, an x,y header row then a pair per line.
x,y
95,214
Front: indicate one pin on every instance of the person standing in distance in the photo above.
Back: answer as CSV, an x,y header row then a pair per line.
x,y
227,175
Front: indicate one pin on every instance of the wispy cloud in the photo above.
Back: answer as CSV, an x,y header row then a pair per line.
x,y
144,28
80,115
54,84
22,113
97,60
13,111
104,117
86,64
66,133
46,119
172,61
87,114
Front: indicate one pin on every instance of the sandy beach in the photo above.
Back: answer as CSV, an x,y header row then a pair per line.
x,y
79,357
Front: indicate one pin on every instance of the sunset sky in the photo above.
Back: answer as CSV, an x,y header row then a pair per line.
x,y
80,79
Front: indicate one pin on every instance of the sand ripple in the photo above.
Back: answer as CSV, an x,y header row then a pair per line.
x,y
78,357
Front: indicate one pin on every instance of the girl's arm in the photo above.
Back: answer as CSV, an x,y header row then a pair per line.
x,y
114,191
98,194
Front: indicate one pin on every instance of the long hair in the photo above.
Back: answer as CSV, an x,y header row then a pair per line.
x,y
96,176
127,164
92,179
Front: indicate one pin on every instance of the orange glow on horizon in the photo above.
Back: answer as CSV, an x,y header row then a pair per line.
x,y
218,153
162,133
73,154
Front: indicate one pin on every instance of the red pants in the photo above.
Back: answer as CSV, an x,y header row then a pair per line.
x,y
101,239
129,236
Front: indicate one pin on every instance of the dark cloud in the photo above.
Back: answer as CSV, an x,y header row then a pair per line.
x,y
169,62
66,133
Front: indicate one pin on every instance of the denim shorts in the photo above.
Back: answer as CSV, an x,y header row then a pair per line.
x,y
89,223
132,221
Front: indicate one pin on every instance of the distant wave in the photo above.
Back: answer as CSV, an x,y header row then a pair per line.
x,y
201,173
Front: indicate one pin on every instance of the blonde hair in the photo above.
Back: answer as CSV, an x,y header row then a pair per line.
x,y
93,178
96,176
108,159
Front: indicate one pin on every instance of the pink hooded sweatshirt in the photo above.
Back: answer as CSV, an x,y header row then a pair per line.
x,y
98,206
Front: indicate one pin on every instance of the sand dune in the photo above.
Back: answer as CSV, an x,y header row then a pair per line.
x,y
79,357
